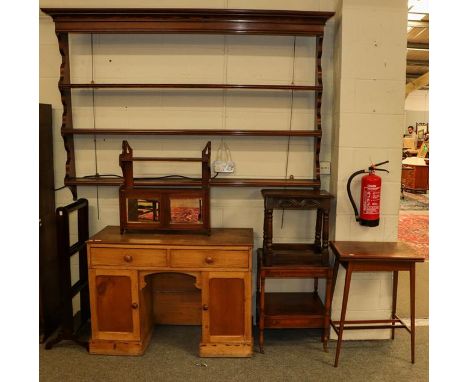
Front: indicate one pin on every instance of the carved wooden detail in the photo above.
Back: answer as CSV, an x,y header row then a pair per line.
x,y
67,119
299,204
318,104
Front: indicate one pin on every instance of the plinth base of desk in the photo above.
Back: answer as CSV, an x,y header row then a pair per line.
x,y
110,347
226,350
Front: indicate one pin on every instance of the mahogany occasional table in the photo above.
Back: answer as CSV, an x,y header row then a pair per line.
x,y
357,256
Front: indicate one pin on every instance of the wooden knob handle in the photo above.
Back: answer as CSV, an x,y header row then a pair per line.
x,y
128,258
205,307
134,305
209,260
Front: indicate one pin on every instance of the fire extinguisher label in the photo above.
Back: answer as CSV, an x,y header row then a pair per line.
x,y
371,205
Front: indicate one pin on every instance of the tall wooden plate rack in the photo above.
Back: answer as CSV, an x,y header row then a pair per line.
x,y
186,21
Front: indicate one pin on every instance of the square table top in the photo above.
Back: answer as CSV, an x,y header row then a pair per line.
x,y
374,251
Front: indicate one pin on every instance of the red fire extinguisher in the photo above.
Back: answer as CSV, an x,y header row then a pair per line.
x,y
371,185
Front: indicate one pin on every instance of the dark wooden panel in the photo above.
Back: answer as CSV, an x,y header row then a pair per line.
x,y
226,307
49,290
114,303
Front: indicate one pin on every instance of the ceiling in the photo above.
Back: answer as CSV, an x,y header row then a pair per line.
x,y
417,57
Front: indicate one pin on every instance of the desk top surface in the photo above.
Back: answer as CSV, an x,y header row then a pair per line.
x,y
219,236
375,251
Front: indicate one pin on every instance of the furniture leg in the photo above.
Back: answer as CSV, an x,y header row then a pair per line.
x,y
412,302
261,325
394,300
335,274
328,298
318,229
268,237
349,270
257,304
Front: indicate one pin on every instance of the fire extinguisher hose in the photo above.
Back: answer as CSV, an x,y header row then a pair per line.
x,y
348,188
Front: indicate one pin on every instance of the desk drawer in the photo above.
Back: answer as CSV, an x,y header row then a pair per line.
x,y
209,258
129,257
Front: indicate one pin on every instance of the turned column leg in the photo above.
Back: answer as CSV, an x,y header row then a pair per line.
x,y
268,236
344,305
325,256
413,306
318,229
394,300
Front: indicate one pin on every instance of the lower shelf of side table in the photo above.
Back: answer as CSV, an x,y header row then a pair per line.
x,y
294,310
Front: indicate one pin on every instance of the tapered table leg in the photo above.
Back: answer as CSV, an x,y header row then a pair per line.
x,y
394,300
349,271
335,274
412,303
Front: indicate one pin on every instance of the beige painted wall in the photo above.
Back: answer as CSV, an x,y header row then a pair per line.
x,y
370,54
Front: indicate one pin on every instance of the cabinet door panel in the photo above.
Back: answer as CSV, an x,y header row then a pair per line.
x,y
226,315
113,299
114,304
227,307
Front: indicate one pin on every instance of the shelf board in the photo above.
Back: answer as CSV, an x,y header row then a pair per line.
x,y
176,182
212,132
293,258
295,304
192,86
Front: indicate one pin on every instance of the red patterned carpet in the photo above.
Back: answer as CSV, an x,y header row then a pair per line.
x,y
414,231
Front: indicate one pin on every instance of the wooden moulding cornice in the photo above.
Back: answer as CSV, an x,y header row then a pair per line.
x,y
205,21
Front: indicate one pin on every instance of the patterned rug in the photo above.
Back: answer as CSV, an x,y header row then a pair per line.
x,y
414,231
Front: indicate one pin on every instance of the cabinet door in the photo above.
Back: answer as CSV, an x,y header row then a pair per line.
x,y
226,307
114,304
407,176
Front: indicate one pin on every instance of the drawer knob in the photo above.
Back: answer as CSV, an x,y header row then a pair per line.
x,y
209,260
128,258
205,307
134,305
